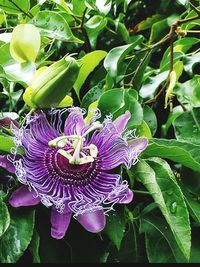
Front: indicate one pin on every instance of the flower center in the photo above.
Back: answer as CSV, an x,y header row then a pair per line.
x,y
72,146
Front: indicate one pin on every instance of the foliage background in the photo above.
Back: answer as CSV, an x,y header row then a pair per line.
x,y
128,51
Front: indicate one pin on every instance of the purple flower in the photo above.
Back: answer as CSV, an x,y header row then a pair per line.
x,y
72,167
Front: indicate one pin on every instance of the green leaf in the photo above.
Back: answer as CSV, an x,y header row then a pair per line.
x,y
18,236
92,95
143,130
190,62
115,227
192,203
66,102
139,72
63,6
94,27
151,85
160,243
15,71
158,178
78,7
150,119
88,63
34,247
193,185
187,126
106,106
191,24
6,143
25,43
53,25
188,92
91,112
15,6
147,23
104,6
194,257
158,30
182,45
184,153
122,100
164,65
172,116
183,2
4,218
122,32
117,55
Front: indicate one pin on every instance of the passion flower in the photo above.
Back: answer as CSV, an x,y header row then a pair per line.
x,y
71,166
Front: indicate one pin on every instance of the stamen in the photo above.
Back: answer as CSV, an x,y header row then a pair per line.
x,y
95,125
76,144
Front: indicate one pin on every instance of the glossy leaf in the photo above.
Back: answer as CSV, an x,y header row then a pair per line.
x,y
17,237
188,92
192,203
139,72
66,102
159,29
151,84
190,62
93,27
122,100
4,218
184,153
183,2
178,110
190,24
115,227
144,130
34,247
88,63
150,119
187,126
104,6
78,7
182,45
158,178
15,6
164,65
15,71
51,24
160,243
117,55
147,23
6,144
92,95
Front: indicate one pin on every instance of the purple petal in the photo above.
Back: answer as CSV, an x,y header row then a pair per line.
x,y
121,153
59,222
6,164
128,197
121,122
93,221
138,144
110,133
23,197
74,123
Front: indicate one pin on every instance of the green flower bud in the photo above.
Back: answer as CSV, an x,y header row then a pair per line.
x,y
51,84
